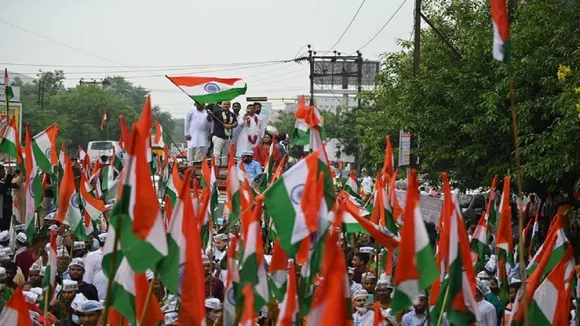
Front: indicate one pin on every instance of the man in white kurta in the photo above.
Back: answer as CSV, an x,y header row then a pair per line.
x,y
93,271
197,129
263,119
249,135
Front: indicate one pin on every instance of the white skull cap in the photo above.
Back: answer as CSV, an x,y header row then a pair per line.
x,y
89,306
70,285
79,245
367,250
79,299
4,236
213,303
22,238
360,293
30,297
77,262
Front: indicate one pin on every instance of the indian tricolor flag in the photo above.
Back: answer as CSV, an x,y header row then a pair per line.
x,y
284,200
233,278
184,248
459,286
278,272
108,176
103,120
34,191
501,30
380,234
503,238
173,184
351,186
289,306
556,252
551,300
416,269
10,142
349,223
248,312
15,312
210,89
389,162
331,303
479,240
93,207
81,153
129,293
137,212
44,148
49,279
158,141
253,257
69,203
308,129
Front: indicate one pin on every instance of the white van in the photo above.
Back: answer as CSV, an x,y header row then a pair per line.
x,y
96,149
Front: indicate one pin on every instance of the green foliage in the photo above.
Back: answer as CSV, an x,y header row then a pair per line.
x,y
461,108
78,111
285,122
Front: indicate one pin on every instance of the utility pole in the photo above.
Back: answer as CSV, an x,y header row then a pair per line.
x,y
417,49
344,75
40,97
311,61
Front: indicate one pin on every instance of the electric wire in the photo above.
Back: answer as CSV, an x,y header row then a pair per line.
x,y
382,28
347,27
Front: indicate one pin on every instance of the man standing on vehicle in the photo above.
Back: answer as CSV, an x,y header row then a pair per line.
x,y
197,124
236,107
263,119
223,125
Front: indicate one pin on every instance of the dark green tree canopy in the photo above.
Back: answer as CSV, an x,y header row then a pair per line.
x,y
78,111
460,108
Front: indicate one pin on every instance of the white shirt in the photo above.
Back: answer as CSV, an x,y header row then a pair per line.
x,y
197,127
94,273
487,314
367,319
263,123
93,262
367,184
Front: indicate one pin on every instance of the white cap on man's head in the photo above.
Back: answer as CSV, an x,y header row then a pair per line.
x,y
360,293
21,238
79,262
213,303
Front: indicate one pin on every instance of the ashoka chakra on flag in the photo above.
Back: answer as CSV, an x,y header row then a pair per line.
x,y
210,89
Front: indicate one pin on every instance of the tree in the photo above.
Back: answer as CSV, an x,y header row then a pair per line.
x,y
285,122
460,108
134,97
79,111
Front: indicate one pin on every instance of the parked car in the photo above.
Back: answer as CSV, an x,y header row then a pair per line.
x,y
473,205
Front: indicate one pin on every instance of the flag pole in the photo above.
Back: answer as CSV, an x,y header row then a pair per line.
x,y
520,194
147,300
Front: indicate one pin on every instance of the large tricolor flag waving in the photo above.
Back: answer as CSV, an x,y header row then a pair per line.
x,y
416,269
210,89
501,30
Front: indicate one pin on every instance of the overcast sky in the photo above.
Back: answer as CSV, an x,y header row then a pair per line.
x,y
179,37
